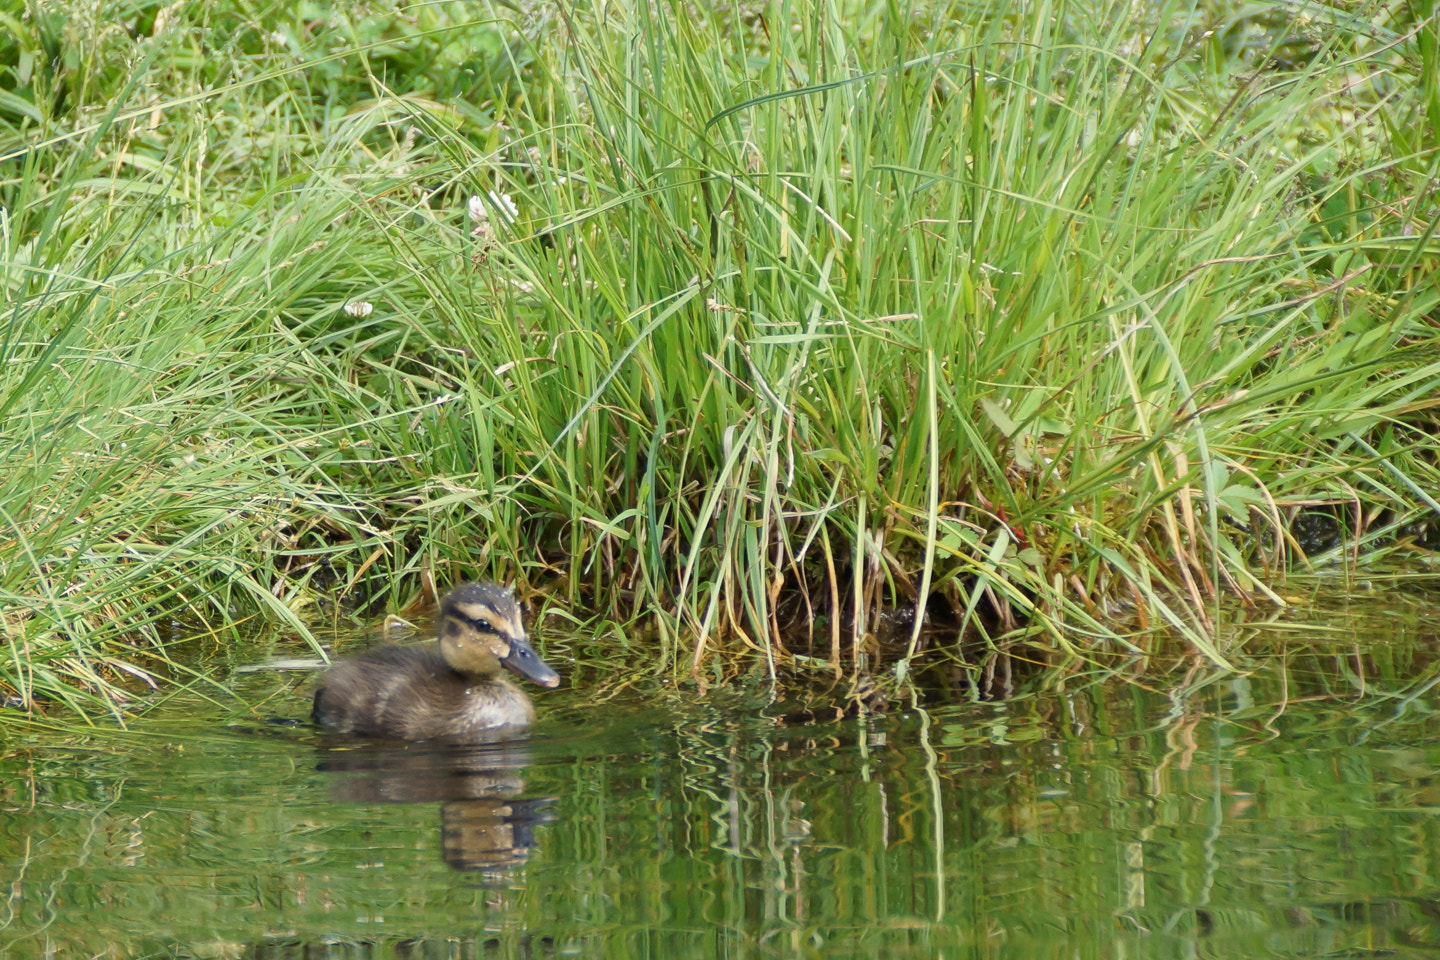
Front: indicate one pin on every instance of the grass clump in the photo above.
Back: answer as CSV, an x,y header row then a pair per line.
x,y
1059,311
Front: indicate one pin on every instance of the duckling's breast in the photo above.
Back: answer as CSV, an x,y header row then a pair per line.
x,y
410,693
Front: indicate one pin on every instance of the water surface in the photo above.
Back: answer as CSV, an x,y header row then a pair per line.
x,y
1287,811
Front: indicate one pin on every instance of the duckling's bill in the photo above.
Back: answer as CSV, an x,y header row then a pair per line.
x,y
525,661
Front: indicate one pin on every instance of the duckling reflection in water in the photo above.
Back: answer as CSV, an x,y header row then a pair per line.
x,y
450,689
487,822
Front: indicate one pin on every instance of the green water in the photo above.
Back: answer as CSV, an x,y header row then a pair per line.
x,y
1291,811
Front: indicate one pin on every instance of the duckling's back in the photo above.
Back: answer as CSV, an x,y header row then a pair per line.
x,y
411,693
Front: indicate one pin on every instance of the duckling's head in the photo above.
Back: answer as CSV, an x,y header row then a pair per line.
x,y
481,630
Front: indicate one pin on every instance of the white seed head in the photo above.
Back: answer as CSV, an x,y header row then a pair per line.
x,y
359,309
506,206
477,209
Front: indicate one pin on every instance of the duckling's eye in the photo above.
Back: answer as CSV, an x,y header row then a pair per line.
x,y
484,626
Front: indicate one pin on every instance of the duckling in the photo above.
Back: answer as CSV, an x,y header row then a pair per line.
x,y
450,689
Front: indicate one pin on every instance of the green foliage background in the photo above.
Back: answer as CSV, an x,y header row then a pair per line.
x,y
1065,311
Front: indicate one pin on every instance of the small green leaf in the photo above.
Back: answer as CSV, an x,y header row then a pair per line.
x,y
12,103
999,417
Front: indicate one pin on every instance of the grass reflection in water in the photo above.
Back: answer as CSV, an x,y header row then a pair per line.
x,y
1289,811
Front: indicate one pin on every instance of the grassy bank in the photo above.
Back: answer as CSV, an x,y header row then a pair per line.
x,y
1066,313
